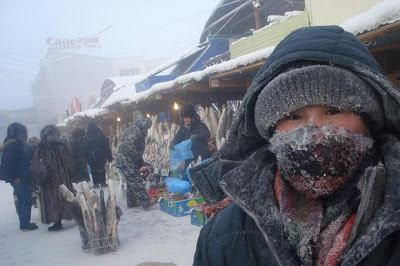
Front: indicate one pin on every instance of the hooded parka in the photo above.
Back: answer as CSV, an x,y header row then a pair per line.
x,y
250,231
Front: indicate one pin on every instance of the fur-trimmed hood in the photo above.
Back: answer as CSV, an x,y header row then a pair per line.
x,y
324,44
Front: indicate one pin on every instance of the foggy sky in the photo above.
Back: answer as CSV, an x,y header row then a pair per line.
x,y
151,28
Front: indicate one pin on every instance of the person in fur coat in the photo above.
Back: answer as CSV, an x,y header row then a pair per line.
x,y
57,166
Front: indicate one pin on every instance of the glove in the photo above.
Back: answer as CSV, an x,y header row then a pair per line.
x,y
193,137
171,146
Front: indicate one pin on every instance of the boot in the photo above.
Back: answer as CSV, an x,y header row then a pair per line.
x,y
29,227
57,226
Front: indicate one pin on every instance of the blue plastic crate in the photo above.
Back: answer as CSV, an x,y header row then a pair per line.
x,y
179,208
197,218
181,174
163,202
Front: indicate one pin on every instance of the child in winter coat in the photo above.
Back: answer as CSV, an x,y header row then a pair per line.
x,y
311,162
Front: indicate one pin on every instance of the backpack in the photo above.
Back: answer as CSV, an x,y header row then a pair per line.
x,y
39,169
3,176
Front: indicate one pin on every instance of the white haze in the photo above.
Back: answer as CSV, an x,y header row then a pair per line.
x,y
151,28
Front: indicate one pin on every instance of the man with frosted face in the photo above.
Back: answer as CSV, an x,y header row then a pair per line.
x,y
311,162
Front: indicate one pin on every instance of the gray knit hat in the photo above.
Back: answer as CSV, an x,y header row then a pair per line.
x,y
315,85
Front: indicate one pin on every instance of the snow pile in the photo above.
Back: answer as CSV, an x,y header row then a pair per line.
x,y
145,236
386,12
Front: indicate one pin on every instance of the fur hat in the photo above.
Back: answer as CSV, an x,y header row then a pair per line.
x,y
49,132
188,111
315,85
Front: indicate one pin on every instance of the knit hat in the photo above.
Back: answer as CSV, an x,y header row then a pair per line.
x,y
315,85
188,111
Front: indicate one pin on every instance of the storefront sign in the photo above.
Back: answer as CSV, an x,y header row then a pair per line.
x,y
55,44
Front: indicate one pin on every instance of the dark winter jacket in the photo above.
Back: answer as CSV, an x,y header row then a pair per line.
x,y
98,148
131,146
77,149
250,231
16,162
200,143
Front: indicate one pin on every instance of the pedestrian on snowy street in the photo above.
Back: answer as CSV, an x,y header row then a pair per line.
x,y
311,162
192,128
129,160
15,168
52,166
97,152
77,148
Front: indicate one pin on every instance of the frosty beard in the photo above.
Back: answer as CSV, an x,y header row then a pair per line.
x,y
317,161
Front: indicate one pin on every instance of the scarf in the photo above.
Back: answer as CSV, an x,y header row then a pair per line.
x,y
317,229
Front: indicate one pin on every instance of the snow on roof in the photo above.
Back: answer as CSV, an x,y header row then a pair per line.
x,y
91,113
171,63
199,75
383,13
123,89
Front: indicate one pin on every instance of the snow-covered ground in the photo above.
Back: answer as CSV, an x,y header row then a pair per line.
x,y
145,236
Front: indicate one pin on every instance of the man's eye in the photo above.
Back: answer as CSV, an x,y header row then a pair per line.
x,y
292,117
333,111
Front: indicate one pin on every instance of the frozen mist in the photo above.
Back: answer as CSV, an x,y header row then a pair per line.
x,y
145,236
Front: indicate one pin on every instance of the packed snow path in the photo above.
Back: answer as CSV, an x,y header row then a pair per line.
x,y
145,236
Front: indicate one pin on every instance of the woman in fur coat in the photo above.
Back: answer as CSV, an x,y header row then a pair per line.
x,y
52,166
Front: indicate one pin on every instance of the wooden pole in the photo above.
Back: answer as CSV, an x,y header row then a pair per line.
x,y
257,18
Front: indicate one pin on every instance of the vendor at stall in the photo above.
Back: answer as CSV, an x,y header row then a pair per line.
x,y
192,128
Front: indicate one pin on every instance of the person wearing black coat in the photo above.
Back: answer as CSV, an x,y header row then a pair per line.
x,y
311,162
77,148
15,168
192,128
98,152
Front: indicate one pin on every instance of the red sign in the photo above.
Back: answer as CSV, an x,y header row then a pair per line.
x,y
75,106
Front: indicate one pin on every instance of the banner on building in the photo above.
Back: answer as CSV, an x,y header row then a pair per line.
x,y
59,45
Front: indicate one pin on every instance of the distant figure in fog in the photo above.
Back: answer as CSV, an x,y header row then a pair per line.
x,y
77,148
15,169
98,152
52,166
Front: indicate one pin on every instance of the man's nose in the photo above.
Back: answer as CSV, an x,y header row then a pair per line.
x,y
316,120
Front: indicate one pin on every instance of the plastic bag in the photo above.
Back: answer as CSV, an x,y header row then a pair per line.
x,y
176,185
181,152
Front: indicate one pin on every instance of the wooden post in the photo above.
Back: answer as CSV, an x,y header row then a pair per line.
x,y
257,18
